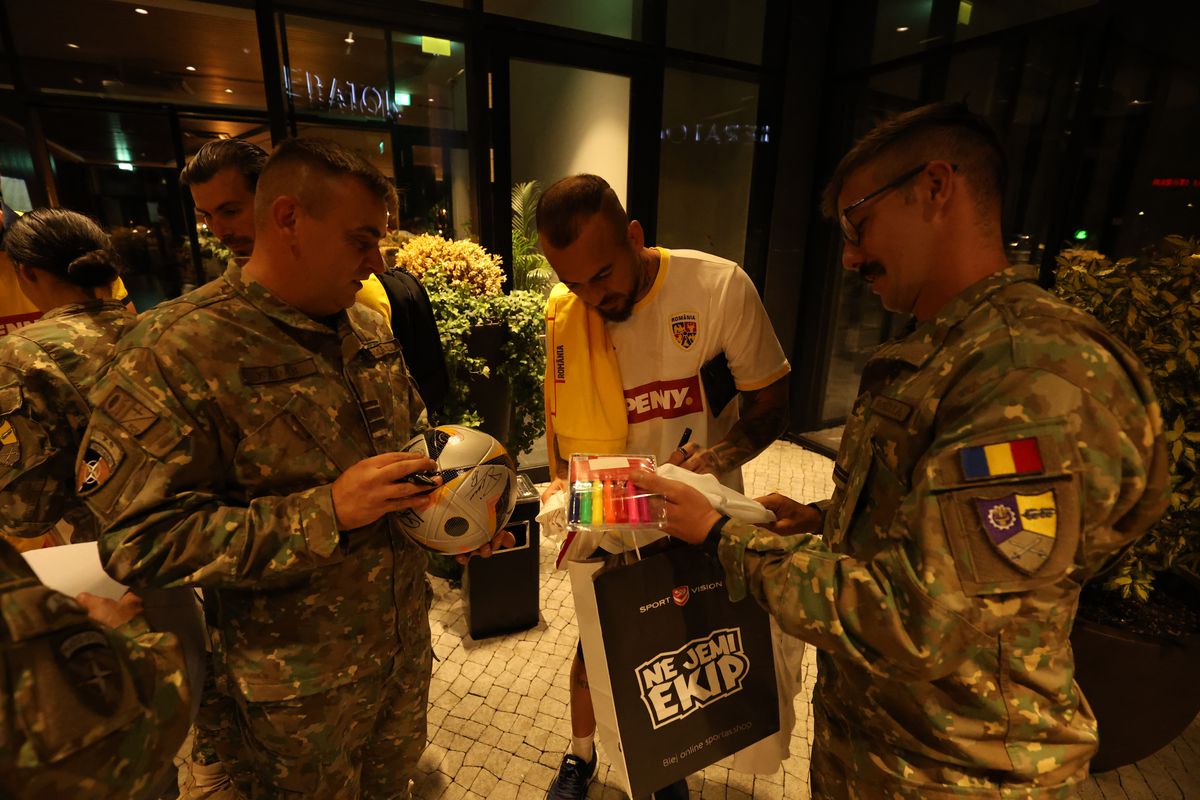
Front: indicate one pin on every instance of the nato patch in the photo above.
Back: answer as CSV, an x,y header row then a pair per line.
x,y
91,667
1021,527
10,445
100,459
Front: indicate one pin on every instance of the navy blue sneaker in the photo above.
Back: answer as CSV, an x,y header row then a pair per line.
x,y
574,775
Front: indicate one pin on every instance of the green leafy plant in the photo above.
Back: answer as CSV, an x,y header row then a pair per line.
x,y
464,283
531,270
1153,304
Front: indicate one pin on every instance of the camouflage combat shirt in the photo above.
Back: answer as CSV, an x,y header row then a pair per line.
x,y
46,371
995,459
91,712
216,437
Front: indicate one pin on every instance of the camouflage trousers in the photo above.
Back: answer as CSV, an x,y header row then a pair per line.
x,y
361,739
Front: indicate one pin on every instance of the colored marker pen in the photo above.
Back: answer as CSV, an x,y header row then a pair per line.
x,y
583,499
597,503
643,503
610,509
632,512
573,505
619,509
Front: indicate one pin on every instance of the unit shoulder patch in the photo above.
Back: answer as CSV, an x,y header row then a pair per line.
x,y
1021,527
10,445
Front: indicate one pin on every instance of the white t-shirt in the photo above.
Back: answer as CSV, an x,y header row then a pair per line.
x,y
699,307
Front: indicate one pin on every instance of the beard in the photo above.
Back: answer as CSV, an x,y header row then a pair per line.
x,y
617,313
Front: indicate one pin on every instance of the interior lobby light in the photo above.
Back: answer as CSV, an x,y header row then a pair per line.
x,y
141,11
229,91
349,38
902,29
125,166
190,68
435,46
72,45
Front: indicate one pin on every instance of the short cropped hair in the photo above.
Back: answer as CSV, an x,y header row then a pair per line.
x,y
66,244
246,157
295,161
569,203
945,131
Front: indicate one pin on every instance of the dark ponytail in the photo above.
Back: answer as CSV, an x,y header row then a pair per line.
x,y
66,244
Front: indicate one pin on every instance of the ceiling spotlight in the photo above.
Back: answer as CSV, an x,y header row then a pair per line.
x,y
72,45
902,29
1141,213
431,99
190,68
141,11
349,38
229,91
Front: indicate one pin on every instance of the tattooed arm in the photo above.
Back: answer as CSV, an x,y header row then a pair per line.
x,y
764,416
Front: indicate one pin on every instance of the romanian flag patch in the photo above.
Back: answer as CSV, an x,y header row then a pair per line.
x,y
1018,457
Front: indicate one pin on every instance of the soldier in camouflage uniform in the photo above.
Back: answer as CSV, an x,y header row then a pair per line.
x,y
996,458
65,264
247,436
91,712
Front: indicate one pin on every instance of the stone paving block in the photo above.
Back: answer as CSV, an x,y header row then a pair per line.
x,y
490,735
451,763
477,755
505,790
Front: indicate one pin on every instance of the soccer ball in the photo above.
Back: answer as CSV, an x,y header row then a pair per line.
x,y
477,495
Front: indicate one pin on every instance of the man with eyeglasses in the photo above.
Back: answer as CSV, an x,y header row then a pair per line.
x,y
995,460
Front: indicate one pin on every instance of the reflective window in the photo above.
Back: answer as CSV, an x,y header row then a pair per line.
x,y
709,130
554,135
431,81
17,175
611,17
977,17
373,145
179,51
860,323
199,132
725,28
337,69
120,168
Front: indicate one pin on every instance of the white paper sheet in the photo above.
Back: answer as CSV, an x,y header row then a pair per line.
x,y
73,568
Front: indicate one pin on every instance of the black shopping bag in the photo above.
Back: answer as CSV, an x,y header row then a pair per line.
x,y
688,677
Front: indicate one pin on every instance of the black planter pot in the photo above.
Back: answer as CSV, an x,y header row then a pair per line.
x,y
1143,692
492,396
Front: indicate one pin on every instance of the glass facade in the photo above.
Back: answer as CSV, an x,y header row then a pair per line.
x,y
1093,105
181,52
709,133
678,103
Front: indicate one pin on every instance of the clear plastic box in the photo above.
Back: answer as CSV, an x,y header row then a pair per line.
x,y
602,497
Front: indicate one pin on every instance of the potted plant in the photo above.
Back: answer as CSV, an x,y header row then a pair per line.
x,y
1137,632
492,340
531,269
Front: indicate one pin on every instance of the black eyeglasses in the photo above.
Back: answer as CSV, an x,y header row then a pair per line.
x,y
849,229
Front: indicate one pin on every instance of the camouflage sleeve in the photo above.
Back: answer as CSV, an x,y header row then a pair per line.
x,y
154,469
35,462
111,705
959,554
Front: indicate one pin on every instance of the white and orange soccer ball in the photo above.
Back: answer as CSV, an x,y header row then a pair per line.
x,y
477,495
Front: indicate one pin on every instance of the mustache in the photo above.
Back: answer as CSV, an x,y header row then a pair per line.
x,y
870,269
